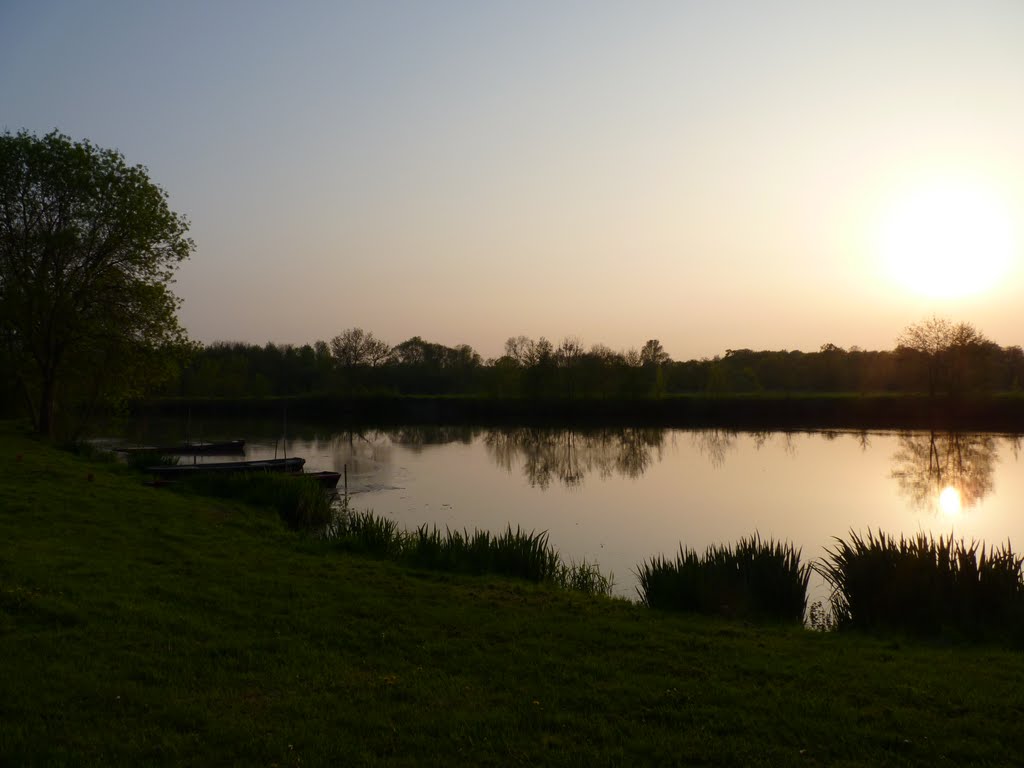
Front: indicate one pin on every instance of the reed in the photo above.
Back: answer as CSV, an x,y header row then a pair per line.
x,y
925,585
300,501
516,553
584,577
753,579
365,532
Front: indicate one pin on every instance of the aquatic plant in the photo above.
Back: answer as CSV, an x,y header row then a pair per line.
x,y
924,585
753,579
584,577
519,554
364,531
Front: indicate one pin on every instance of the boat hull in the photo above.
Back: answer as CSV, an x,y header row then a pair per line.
x,y
178,471
220,448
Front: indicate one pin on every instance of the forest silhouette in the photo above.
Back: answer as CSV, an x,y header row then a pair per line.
x,y
933,357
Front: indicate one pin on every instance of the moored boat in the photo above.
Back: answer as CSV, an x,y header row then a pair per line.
x,y
175,471
325,477
222,447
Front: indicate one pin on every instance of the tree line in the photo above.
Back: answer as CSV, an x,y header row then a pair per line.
x,y
935,357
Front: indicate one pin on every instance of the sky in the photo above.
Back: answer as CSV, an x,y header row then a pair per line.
x,y
714,175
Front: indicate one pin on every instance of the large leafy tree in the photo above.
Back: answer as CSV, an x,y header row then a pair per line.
x,y
355,347
948,350
88,249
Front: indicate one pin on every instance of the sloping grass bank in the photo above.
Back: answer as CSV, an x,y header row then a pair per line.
x,y
144,627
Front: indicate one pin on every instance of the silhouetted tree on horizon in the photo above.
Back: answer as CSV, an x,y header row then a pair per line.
x,y
355,346
946,348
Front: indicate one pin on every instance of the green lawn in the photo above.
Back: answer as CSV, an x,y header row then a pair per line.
x,y
141,627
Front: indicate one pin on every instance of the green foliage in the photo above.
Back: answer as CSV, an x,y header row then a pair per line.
x,y
88,249
518,554
300,501
753,579
925,586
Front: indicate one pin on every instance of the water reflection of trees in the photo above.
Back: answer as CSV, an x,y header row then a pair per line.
x,y
418,437
716,444
926,464
360,451
567,456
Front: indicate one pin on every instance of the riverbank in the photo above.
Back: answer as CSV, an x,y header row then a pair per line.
x,y
144,627
996,413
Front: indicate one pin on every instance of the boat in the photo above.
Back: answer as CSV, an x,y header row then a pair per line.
x,y
325,477
222,447
178,471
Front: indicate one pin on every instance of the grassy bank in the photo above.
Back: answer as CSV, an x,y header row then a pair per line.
x,y
1003,412
144,627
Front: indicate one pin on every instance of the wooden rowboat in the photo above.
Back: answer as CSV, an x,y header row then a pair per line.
x,y
222,447
325,477
178,471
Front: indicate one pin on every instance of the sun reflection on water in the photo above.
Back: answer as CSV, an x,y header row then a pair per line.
x,y
949,501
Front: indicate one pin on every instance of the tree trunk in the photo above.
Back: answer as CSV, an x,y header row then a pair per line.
x,y
44,420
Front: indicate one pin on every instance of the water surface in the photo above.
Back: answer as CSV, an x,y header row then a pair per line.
x,y
619,496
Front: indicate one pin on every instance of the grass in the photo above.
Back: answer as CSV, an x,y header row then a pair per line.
x,y
753,579
140,627
517,554
926,586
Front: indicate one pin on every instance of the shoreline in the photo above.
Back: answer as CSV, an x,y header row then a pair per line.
x,y
998,413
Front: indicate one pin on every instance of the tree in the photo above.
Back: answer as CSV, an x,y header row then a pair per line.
x,y
88,248
946,349
652,353
519,349
358,347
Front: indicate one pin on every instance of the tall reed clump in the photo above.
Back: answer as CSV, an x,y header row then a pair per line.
x,y
753,579
366,532
925,586
519,554
522,555
300,501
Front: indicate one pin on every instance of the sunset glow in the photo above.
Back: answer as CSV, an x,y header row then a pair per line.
x,y
714,176
947,239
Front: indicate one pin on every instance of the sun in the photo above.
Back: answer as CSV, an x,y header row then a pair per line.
x,y
947,239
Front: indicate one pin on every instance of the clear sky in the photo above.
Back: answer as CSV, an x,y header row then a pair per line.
x,y
712,174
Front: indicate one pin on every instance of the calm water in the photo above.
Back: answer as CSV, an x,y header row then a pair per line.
x,y
620,496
